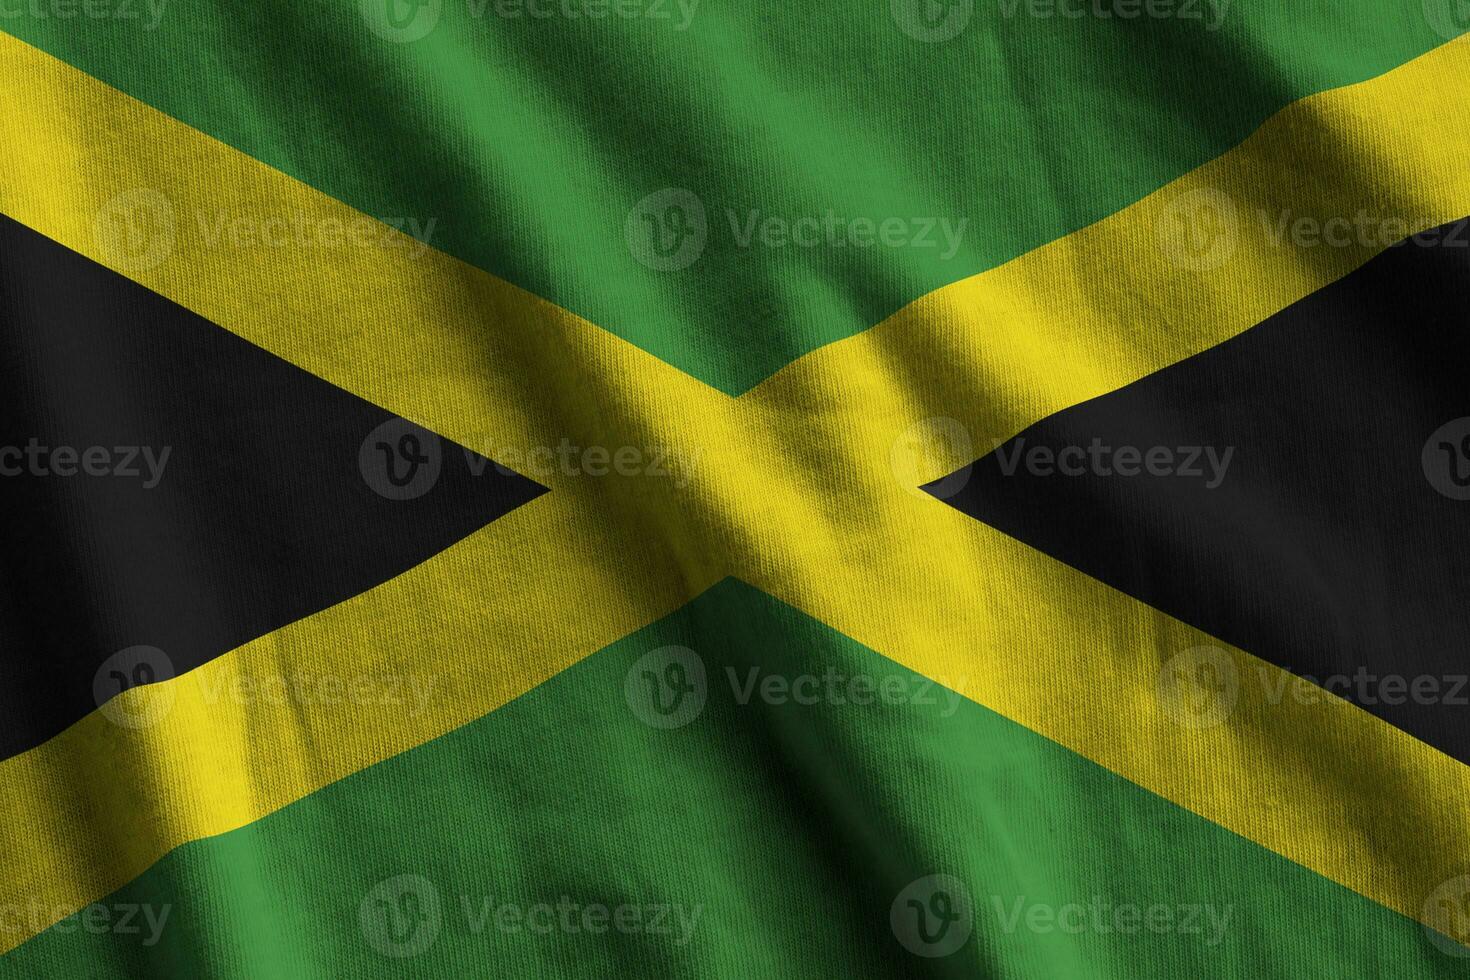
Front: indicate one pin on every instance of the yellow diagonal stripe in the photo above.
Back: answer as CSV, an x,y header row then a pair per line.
x,y
803,486
400,324
409,328
1050,647
228,744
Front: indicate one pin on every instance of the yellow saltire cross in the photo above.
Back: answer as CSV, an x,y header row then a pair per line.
x,y
804,487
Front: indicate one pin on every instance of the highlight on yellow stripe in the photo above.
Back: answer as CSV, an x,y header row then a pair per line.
x,y
961,370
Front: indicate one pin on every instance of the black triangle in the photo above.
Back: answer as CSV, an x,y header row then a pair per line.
x,y
273,501
1335,541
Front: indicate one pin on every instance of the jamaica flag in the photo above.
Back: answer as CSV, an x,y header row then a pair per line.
x,y
681,488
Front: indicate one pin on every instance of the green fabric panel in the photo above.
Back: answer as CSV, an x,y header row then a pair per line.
x,y
530,142
783,832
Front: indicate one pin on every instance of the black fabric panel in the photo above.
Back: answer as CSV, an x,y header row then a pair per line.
x,y
262,514
1327,548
